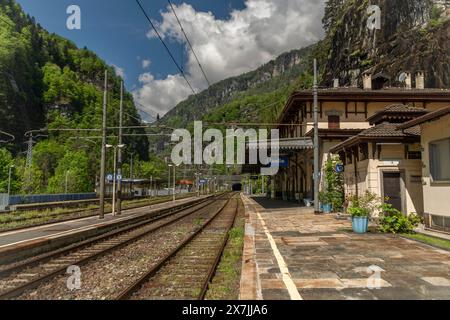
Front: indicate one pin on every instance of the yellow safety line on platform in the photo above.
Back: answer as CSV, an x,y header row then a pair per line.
x,y
287,279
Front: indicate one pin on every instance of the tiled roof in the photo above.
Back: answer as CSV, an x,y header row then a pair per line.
x,y
398,112
403,108
413,91
381,131
389,130
428,117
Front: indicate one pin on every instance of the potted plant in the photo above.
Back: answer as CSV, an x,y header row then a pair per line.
x,y
360,219
361,208
325,199
332,197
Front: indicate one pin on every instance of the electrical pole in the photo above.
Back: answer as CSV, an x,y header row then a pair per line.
x,y
119,156
103,157
316,143
29,158
9,181
151,186
67,180
114,182
131,166
174,181
168,181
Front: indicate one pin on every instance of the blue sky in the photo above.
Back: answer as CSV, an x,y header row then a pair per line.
x,y
254,31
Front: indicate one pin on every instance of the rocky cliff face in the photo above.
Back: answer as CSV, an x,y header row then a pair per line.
x,y
414,36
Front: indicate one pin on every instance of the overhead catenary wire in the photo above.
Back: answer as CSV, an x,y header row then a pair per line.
x,y
144,107
189,42
165,46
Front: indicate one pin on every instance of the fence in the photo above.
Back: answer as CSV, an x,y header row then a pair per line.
x,y
44,198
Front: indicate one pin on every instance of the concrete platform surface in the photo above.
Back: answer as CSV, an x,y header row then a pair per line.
x,y
61,228
292,254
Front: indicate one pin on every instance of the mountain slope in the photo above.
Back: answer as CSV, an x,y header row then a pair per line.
x,y
415,36
46,81
274,77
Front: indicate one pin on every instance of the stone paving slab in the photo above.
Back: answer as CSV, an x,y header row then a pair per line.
x,y
316,257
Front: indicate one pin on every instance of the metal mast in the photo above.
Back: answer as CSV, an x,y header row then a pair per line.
x,y
316,143
103,159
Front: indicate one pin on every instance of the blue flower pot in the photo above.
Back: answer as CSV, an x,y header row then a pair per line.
x,y
327,208
360,224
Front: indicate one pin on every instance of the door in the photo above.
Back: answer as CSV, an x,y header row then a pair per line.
x,y
392,189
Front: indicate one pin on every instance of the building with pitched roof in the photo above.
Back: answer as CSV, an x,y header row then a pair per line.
x,y
435,146
386,160
344,116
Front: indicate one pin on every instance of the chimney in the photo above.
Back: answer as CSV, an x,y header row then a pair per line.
x,y
420,80
336,83
408,81
367,81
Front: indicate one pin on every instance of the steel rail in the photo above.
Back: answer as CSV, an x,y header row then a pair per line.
x,y
93,241
128,292
213,269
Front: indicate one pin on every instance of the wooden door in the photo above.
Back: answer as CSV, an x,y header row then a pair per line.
x,y
393,189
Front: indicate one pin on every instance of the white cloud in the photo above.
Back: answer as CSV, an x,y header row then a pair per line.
x,y
146,63
119,71
158,94
249,38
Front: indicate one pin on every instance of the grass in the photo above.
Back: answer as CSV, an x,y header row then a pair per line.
x,y
226,282
433,241
198,222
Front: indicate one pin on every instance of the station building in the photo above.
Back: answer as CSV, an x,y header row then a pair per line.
x,y
346,113
435,146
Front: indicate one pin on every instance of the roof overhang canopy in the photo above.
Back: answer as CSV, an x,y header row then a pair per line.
x,y
283,144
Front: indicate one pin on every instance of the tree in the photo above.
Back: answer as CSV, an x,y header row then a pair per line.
x,y
46,156
76,166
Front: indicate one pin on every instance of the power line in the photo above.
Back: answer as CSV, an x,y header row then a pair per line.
x,y
142,106
165,45
189,42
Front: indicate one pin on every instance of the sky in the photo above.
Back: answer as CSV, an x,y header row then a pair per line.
x,y
230,37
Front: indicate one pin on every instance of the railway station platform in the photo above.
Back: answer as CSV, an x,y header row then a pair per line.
x,y
22,237
292,254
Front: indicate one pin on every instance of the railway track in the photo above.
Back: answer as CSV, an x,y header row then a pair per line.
x,y
17,279
78,214
186,271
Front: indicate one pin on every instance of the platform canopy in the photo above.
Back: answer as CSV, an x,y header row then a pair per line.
x,y
284,144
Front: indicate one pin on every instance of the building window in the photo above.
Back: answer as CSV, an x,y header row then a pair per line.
x,y
334,122
440,160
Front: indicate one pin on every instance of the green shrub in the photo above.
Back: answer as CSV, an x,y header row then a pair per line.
x,y
359,212
333,185
393,221
363,206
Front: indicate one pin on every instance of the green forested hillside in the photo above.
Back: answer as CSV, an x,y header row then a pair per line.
x,y
256,95
47,82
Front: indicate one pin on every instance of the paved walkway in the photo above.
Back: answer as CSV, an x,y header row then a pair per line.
x,y
290,253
